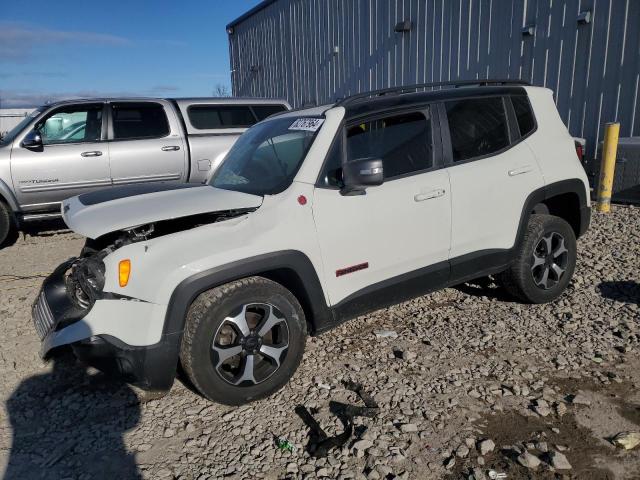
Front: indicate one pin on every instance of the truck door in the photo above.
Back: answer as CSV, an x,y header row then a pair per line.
x,y
145,144
73,159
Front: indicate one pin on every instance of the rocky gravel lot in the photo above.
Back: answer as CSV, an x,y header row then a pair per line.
x,y
467,384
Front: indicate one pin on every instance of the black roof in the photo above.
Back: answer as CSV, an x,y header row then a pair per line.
x,y
361,105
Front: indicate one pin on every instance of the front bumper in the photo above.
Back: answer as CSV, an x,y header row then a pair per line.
x,y
116,335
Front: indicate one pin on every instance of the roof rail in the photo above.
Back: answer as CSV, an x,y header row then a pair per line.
x,y
406,88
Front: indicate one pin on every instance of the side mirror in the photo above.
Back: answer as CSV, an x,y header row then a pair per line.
x,y
33,140
360,174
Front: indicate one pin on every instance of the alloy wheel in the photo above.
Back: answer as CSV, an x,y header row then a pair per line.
x,y
550,259
250,344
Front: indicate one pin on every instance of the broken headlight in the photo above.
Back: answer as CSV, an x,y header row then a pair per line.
x,y
85,281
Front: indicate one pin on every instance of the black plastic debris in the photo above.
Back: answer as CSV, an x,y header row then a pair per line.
x,y
319,442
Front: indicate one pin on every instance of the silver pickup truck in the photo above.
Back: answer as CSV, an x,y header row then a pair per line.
x,y
72,147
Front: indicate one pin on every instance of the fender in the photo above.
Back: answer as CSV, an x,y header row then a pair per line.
x,y
7,194
573,185
155,366
291,261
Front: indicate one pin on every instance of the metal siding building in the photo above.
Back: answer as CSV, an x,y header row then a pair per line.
x,y
315,51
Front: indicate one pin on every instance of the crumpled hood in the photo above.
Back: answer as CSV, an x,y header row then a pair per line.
x,y
98,213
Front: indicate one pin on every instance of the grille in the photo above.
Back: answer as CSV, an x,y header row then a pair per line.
x,y
42,316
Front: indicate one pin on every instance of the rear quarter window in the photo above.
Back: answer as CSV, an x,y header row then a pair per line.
x,y
524,114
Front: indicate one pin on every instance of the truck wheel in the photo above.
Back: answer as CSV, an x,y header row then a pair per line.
x,y
8,230
545,261
243,340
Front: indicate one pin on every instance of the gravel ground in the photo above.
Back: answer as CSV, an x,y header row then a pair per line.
x,y
473,382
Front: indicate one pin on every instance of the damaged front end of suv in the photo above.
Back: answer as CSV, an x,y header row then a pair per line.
x,y
77,308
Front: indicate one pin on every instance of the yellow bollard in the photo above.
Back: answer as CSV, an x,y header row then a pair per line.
x,y
608,166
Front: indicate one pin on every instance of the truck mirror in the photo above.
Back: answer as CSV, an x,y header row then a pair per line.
x,y
33,140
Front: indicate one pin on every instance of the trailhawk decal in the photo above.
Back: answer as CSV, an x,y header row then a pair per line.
x,y
307,124
354,268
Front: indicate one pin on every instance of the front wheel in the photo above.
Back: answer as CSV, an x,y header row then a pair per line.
x,y
243,340
8,230
545,261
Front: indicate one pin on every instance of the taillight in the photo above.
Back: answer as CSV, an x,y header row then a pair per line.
x,y
580,152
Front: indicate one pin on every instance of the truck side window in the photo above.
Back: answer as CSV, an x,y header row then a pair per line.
x,y
478,127
264,111
139,120
72,124
208,117
403,142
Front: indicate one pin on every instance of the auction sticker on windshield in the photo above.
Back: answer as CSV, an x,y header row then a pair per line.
x,y
308,124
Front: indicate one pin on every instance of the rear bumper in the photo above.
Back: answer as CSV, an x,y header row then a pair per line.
x,y
116,335
585,220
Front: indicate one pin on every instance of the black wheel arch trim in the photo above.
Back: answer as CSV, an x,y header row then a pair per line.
x,y
572,185
289,260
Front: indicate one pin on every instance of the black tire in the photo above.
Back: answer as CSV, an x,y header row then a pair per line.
x,y
212,316
525,277
8,230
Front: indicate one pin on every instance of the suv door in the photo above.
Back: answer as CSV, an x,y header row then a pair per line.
x,y
145,144
393,241
492,172
74,158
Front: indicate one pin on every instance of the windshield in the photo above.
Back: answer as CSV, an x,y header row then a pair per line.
x,y
266,157
13,133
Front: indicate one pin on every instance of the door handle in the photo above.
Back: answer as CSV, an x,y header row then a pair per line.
x,y
94,153
421,197
520,171
170,148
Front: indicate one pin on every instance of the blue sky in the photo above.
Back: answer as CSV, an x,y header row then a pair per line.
x,y
52,50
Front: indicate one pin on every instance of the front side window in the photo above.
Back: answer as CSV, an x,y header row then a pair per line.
x,y
139,120
265,159
15,131
73,124
207,117
524,114
403,142
478,127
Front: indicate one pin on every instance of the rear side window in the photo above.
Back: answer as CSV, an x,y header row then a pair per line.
x,y
403,142
478,127
207,117
264,111
524,114
139,120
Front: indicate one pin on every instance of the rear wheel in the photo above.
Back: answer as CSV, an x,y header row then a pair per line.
x,y
243,340
545,262
8,230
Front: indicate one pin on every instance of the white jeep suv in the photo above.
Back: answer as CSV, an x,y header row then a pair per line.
x,y
317,216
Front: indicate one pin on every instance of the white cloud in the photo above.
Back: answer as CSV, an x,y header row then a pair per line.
x,y
18,41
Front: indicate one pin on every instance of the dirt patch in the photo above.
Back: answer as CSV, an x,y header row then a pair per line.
x,y
512,429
